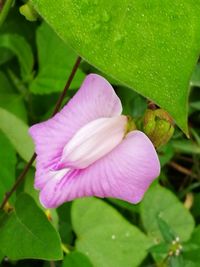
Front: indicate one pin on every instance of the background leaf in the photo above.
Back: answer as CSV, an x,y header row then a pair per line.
x,y
161,202
195,79
150,47
56,60
102,232
8,161
18,45
31,233
17,132
76,259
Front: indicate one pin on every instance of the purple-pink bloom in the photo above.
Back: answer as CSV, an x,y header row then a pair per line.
x,y
85,150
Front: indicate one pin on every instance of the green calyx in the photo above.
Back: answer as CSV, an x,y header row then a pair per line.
x,y
28,11
130,125
158,126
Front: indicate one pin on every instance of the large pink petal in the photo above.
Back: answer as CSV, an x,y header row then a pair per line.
x,y
125,173
95,99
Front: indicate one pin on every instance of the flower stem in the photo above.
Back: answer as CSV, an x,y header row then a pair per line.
x,y
4,13
56,109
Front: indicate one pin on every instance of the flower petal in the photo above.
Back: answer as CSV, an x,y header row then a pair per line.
x,y
92,142
125,173
95,99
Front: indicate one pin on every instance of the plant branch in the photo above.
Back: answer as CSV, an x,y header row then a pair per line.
x,y
5,10
182,169
56,109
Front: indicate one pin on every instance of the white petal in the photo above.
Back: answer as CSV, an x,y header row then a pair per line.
x,y
93,141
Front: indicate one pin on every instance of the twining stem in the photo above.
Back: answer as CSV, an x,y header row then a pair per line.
x,y
56,109
5,10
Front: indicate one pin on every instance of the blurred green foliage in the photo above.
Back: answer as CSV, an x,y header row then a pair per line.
x,y
34,66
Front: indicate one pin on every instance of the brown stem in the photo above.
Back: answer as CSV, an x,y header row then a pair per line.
x,y
52,264
56,109
182,169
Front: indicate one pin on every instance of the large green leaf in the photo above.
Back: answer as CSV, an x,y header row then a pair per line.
x,y
76,259
56,60
105,236
17,132
8,161
27,233
151,46
160,202
31,191
1,256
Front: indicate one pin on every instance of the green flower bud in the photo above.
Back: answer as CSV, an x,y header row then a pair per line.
x,y
158,126
28,12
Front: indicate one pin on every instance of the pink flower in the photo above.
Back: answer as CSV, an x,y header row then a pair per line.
x,y
85,150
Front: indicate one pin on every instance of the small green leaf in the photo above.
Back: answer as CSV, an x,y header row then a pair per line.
x,y
21,48
56,60
8,161
17,132
159,201
102,232
162,248
166,231
76,259
27,233
147,45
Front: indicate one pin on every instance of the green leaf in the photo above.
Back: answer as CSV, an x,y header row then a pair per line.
x,y
27,233
31,191
14,104
105,236
1,256
65,225
147,45
56,60
125,205
8,161
192,253
166,153
21,48
161,202
17,132
162,248
195,105
176,261
76,259
186,146
195,80
5,85
166,231
133,104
